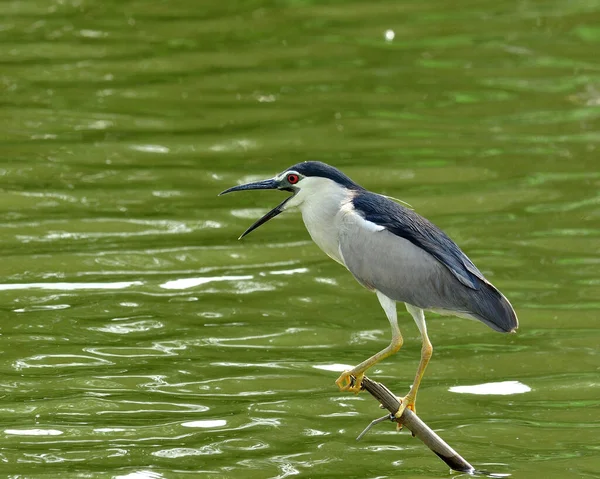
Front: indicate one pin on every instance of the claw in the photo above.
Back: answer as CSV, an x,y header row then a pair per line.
x,y
405,402
347,383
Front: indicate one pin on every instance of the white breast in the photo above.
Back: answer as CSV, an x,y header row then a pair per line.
x,y
322,229
323,203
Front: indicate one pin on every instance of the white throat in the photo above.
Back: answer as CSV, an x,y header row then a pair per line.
x,y
322,202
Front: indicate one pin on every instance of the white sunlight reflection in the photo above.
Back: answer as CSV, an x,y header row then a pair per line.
x,y
33,432
177,452
59,361
503,388
333,367
151,148
290,271
141,475
69,286
191,282
207,423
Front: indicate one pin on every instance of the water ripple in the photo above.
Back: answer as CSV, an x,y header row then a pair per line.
x,y
129,327
205,423
69,286
59,361
33,432
141,340
156,350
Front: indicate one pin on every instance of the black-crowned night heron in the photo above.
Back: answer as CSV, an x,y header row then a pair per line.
x,y
390,250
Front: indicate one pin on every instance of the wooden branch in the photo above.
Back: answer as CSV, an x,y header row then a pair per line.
x,y
418,428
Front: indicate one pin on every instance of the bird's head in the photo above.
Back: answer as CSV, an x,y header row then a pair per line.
x,y
303,180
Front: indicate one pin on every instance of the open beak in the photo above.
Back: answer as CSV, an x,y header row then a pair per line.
x,y
271,184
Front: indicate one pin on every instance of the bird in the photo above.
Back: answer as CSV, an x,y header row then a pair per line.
x,y
390,250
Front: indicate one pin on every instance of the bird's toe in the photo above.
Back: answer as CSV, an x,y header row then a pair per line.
x,y
350,381
406,402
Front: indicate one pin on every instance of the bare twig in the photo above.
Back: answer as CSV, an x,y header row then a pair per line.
x,y
374,422
418,428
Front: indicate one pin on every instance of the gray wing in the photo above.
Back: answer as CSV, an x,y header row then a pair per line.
x,y
409,225
382,260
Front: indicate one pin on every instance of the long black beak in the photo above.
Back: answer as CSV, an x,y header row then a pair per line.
x,y
257,185
260,185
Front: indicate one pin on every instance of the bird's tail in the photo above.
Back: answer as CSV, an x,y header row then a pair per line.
x,y
491,307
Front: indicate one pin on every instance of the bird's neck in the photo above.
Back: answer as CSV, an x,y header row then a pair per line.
x,y
321,212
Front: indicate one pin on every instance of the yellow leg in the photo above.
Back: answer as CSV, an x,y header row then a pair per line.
x,y
411,397
345,382
409,400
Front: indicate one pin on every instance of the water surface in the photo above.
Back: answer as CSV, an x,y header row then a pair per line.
x,y
140,339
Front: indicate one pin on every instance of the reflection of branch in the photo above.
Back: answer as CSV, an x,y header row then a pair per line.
x,y
412,422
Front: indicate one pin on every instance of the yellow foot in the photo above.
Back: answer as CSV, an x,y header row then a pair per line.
x,y
346,383
405,402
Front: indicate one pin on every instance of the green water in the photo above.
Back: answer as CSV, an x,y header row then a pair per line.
x,y
140,339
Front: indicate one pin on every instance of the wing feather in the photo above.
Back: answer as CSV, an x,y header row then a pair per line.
x,y
411,226
413,261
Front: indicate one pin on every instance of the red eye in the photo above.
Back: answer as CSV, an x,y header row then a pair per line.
x,y
292,179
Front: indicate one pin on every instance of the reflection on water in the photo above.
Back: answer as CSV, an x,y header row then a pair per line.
x,y
69,286
33,432
59,361
142,474
502,388
205,423
192,282
141,340
333,367
130,327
